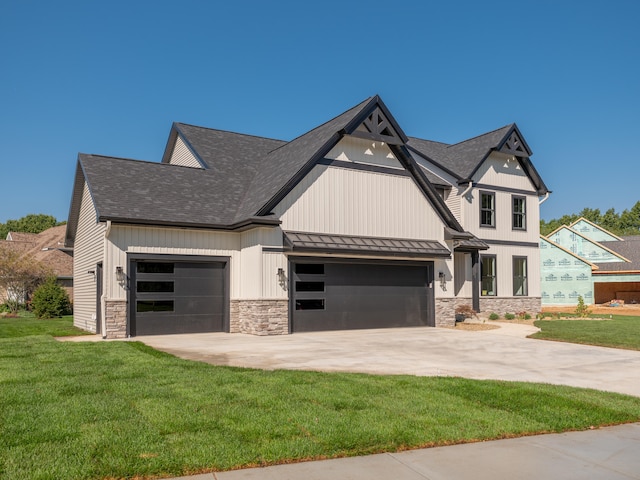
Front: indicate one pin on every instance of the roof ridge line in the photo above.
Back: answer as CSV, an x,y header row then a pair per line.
x,y
481,135
232,132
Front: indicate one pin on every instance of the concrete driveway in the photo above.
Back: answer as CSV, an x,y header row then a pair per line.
x,y
501,354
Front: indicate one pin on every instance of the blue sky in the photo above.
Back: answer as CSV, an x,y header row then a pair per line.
x,y
111,77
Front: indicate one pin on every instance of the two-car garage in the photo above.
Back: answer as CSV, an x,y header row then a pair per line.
x,y
347,295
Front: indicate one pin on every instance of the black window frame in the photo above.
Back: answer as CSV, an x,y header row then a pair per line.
x,y
491,210
523,278
494,277
522,215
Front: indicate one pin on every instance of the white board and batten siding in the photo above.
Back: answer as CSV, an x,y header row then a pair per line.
x,y
88,251
368,152
344,201
182,155
504,268
503,170
244,251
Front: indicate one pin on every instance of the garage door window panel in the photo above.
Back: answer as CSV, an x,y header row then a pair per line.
x,y
155,306
155,286
155,267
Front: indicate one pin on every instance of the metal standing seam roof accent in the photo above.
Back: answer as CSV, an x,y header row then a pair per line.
x,y
303,241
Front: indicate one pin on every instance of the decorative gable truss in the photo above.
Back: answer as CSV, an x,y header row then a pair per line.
x,y
515,145
376,126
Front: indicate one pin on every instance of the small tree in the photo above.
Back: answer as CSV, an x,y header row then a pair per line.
x,y
50,300
19,277
582,310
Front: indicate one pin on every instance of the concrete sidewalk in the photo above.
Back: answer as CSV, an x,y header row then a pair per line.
x,y
610,453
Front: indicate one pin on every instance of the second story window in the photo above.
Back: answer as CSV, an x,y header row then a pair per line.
x,y
487,209
519,210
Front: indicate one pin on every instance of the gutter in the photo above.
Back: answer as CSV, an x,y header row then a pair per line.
x,y
468,188
546,197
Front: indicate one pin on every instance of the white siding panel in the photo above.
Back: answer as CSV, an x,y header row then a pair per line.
x,y
136,239
352,149
271,287
88,251
503,229
181,155
500,169
352,202
504,257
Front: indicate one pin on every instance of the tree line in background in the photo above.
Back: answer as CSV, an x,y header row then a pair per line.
x,y
624,223
32,223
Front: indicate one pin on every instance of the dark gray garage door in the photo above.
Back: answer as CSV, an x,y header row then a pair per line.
x,y
176,297
339,296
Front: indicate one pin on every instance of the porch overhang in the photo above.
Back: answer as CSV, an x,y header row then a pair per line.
x,y
314,243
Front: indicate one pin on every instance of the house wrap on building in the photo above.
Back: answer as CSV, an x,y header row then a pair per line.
x,y
351,225
585,260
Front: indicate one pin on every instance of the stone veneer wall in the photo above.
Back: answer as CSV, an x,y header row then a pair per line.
x,y
115,312
445,312
259,317
502,305
446,307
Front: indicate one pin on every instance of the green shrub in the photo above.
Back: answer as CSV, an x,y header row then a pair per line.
x,y
50,300
509,316
494,316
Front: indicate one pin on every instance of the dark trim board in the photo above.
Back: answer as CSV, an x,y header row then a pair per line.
x,y
189,294
365,167
510,243
496,188
347,294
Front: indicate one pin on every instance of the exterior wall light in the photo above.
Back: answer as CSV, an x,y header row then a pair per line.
x,y
120,274
443,281
282,278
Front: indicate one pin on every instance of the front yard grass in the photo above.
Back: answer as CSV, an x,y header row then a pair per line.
x,y
618,332
122,409
27,325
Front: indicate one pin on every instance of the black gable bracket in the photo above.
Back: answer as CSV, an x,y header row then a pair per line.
x,y
375,122
514,144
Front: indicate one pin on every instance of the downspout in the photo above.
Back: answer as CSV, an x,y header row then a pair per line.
x,y
467,189
546,197
105,269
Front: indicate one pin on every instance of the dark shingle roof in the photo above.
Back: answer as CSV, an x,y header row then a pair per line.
x,y
284,164
629,249
244,176
159,193
461,159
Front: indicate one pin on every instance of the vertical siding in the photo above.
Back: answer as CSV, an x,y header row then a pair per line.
x,y
503,229
181,155
462,271
352,202
505,254
500,169
352,149
271,287
88,250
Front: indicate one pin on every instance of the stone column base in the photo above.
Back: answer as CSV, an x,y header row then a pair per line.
x,y
115,312
259,317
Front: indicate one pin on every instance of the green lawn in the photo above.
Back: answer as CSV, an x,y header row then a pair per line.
x,y
29,325
122,409
618,332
